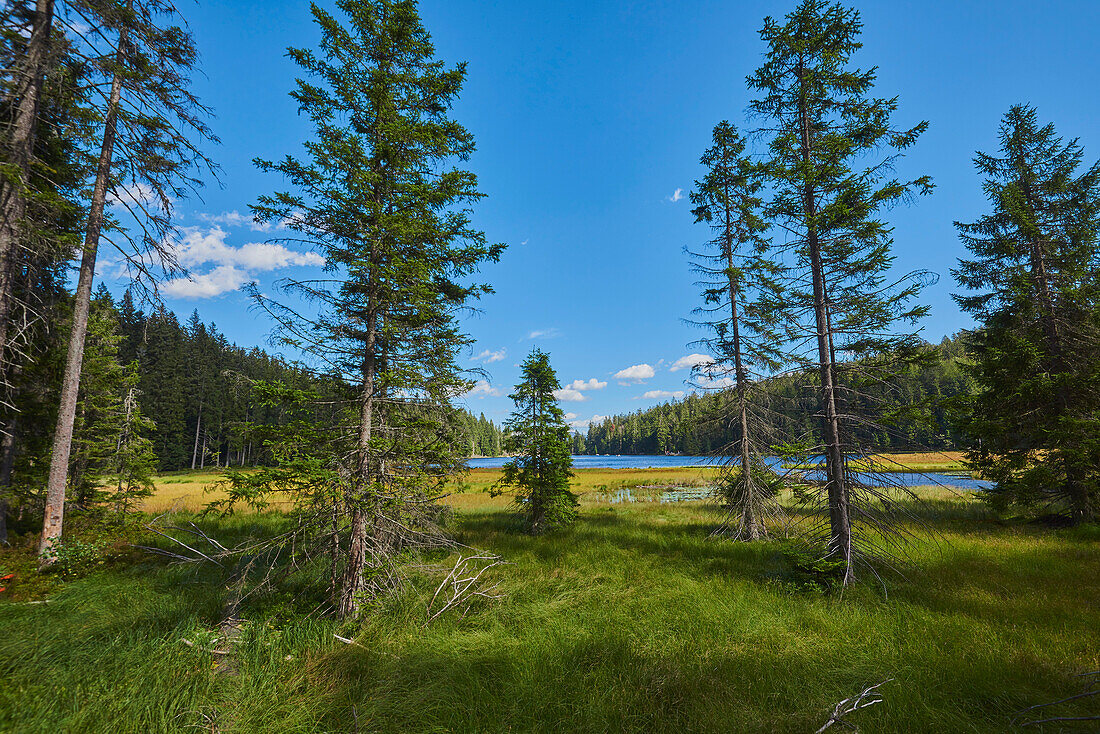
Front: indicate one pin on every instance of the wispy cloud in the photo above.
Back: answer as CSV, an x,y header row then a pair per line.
x,y
689,361
661,395
716,383
484,390
488,356
579,423
543,333
131,195
635,374
676,195
236,219
231,266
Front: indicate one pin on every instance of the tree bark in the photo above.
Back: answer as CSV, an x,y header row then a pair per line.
x,y
352,582
750,526
7,461
840,530
749,522
13,201
70,384
195,447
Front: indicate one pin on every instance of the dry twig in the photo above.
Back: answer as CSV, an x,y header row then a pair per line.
x,y
462,584
1093,690
868,697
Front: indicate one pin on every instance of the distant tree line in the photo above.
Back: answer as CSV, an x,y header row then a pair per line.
x,y
914,412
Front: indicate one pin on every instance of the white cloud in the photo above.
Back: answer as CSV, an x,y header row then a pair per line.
x,y
131,195
590,384
689,361
236,219
676,195
232,266
717,383
661,395
570,416
570,395
488,357
197,247
484,390
574,391
637,373
221,279
584,422
543,333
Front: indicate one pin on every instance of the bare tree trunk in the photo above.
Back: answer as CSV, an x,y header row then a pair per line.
x,y
352,583
840,529
13,202
750,524
202,454
70,383
195,448
7,461
334,550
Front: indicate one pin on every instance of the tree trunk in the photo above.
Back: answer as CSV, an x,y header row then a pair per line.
x,y
13,201
361,500
7,461
750,524
840,529
195,447
70,384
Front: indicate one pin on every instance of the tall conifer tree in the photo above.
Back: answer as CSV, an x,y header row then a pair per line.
x,y
379,195
821,124
1032,284
744,340
151,129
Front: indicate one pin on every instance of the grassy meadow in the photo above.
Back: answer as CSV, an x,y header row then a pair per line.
x,y
633,621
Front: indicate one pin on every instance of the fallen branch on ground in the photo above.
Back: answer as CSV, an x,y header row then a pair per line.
x,y
1093,690
462,584
869,696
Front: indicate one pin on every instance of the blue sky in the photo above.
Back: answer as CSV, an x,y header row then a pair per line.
x,y
590,117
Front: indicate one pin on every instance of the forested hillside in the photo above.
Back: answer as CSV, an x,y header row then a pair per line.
x,y
912,410
190,381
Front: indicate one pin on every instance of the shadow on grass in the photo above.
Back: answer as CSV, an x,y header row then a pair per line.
x,y
680,547
548,680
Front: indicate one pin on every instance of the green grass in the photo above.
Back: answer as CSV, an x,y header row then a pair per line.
x,y
631,621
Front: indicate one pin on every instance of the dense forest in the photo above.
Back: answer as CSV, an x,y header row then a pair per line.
x,y
190,382
913,409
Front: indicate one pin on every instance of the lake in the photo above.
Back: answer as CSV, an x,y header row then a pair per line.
x,y
905,479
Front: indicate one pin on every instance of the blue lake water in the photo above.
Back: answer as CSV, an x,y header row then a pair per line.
x,y
905,479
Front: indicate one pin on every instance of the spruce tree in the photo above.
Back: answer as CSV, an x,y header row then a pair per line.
x,y
821,125
738,284
537,436
380,195
151,129
33,275
1033,425
133,462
